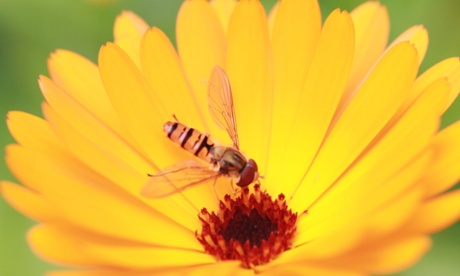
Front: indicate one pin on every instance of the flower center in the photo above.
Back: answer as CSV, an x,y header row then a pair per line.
x,y
252,228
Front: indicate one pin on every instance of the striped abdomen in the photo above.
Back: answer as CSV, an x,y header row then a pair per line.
x,y
190,139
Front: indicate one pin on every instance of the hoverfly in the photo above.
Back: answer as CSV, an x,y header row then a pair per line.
x,y
225,161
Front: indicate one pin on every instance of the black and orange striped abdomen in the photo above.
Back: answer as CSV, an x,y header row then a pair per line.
x,y
190,139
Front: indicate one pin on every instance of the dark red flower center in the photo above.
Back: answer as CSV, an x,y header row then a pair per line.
x,y
252,228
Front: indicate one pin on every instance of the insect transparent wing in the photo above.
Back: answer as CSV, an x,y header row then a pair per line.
x,y
220,101
177,178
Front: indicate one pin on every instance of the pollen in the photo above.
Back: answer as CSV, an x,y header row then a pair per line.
x,y
251,228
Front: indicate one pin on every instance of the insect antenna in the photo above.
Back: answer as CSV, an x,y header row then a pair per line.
x,y
175,118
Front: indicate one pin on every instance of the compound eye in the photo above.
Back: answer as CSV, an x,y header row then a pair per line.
x,y
249,174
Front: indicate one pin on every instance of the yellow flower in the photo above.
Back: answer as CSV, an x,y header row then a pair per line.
x,y
338,122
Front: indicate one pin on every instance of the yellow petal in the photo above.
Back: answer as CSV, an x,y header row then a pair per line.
x,y
315,253
272,17
86,272
387,256
443,173
379,187
417,36
320,242
392,208
101,207
15,164
391,197
440,86
296,31
248,68
320,95
29,202
113,163
85,124
388,154
448,68
435,214
372,106
109,164
80,78
129,24
295,35
372,28
32,132
68,245
137,106
227,268
224,9
128,31
144,115
305,269
163,71
454,80
201,45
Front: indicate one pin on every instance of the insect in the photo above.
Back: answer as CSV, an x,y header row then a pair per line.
x,y
223,160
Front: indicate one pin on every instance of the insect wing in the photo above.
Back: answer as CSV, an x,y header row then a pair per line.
x,y
177,178
220,101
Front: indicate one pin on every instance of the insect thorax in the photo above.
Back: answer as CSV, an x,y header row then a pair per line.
x,y
229,160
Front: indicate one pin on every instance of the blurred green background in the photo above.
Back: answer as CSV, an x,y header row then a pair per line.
x,y
30,30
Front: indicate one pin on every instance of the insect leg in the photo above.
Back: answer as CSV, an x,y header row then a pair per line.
x,y
234,189
214,189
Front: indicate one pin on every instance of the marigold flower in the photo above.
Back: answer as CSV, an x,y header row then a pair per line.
x,y
355,172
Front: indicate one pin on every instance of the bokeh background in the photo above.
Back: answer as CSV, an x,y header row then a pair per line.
x,y
30,30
